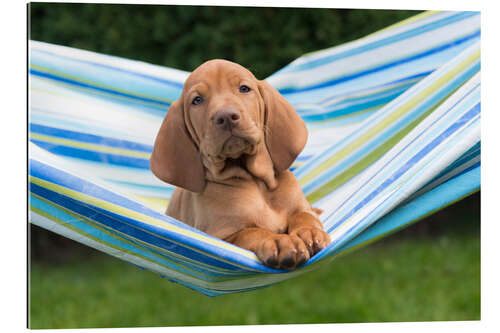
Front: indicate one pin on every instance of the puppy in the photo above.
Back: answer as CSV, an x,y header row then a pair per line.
x,y
227,144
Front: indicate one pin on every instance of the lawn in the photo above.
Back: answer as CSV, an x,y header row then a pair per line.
x,y
407,277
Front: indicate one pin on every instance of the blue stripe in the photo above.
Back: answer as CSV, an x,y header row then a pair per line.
x,y
351,109
453,84
470,104
336,103
385,41
129,227
102,157
120,70
363,223
93,87
407,81
51,118
382,67
469,155
59,177
394,129
453,189
88,226
156,188
90,138
157,110
410,163
474,166
211,273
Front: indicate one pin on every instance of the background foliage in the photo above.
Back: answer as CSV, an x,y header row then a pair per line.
x,y
430,271
261,39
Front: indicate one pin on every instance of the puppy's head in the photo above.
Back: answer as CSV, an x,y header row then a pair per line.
x,y
225,116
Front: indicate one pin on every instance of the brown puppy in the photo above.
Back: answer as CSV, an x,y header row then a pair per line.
x,y
227,143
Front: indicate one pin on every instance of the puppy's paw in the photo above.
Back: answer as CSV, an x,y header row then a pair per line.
x,y
283,251
315,239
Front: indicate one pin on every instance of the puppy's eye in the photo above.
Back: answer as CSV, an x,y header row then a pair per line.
x,y
244,89
197,100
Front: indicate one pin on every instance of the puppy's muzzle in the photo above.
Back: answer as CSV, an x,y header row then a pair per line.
x,y
226,119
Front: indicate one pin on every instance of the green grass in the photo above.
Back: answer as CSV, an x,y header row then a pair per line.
x,y
401,279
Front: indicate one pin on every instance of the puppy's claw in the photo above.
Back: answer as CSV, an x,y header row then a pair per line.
x,y
314,238
288,262
283,251
268,253
302,258
271,262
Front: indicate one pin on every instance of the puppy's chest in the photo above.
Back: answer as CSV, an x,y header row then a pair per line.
x,y
250,206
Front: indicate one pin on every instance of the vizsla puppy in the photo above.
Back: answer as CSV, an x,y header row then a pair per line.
x,y
227,144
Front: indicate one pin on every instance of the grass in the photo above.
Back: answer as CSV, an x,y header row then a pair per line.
x,y
417,278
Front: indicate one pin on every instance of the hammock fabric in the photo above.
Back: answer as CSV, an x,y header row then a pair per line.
x,y
394,123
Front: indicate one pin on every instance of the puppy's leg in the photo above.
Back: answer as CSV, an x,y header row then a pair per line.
x,y
307,227
274,250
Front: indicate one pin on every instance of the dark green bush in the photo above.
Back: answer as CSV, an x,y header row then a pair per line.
x,y
262,39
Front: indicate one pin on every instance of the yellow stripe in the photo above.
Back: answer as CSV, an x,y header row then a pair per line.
x,y
139,217
89,146
393,117
158,204
406,21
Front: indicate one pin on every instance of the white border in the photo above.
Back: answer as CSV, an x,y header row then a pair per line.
x,y
13,23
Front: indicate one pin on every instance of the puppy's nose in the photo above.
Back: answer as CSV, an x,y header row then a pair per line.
x,y
226,119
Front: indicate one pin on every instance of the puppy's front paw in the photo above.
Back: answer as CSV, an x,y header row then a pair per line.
x,y
315,239
283,251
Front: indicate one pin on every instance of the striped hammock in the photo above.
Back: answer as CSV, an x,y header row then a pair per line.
x,y
394,135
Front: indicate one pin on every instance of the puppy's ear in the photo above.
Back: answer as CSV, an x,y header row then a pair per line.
x,y
286,132
175,158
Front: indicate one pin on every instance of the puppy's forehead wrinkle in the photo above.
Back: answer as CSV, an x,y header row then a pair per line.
x,y
219,68
198,86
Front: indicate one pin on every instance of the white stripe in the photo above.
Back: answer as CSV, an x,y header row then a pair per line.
x,y
112,61
370,59
444,178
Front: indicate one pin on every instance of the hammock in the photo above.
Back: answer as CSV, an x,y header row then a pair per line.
x,y
394,135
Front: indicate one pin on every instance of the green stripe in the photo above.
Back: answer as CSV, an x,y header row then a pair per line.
x,y
372,156
391,118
